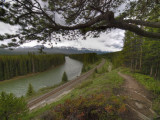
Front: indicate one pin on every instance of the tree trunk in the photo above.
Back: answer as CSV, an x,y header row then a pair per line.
x,y
156,72
151,70
136,65
33,66
141,52
131,63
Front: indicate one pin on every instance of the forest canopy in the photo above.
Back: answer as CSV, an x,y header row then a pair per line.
x,y
38,19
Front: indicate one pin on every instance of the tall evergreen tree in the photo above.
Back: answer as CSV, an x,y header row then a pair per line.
x,y
11,107
30,90
64,77
16,65
80,16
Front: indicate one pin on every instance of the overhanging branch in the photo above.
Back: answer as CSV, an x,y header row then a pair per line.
x,y
135,29
143,23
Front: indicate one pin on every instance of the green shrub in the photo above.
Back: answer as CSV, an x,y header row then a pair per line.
x,y
93,75
88,68
85,84
64,77
94,107
30,90
156,105
84,69
96,71
11,107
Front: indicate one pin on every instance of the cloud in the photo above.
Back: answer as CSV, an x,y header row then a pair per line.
x,y
6,28
116,46
112,41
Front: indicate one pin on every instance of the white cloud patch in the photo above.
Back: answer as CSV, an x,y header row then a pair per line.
x,y
6,28
112,41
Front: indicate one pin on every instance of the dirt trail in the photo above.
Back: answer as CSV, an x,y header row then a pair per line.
x,y
60,91
138,99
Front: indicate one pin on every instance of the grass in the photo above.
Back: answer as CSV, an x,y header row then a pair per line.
x,y
43,91
104,68
102,82
48,89
87,67
150,83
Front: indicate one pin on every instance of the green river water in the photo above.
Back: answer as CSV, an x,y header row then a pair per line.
x,y
49,78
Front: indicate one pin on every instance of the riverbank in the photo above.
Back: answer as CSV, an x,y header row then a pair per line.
x,y
29,75
103,90
48,89
42,91
12,66
42,80
100,83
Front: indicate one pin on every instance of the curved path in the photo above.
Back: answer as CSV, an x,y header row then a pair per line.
x,y
138,99
58,92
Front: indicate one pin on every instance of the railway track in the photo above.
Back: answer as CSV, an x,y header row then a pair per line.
x,y
67,86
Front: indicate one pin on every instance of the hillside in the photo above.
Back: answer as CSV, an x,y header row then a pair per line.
x,y
106,94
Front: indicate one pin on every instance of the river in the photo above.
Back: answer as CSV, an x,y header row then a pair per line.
x,y
45,79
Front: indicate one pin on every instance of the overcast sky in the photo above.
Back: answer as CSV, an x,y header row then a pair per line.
x,y
112,41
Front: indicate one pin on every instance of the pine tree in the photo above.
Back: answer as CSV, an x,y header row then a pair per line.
x,y
11,107
64,78
30,90
12,66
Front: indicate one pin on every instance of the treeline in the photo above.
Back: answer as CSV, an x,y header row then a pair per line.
x,y
17,65
115,57
85,57
142,54
139,54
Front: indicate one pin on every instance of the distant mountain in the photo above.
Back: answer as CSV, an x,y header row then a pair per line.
x,y
54,50
6,51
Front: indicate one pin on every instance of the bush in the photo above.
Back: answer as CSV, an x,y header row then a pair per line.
x,y
84,69
11,107
96,71
64,78
85,84
30,90
94,107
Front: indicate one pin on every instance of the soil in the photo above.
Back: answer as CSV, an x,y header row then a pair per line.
x,y
138,99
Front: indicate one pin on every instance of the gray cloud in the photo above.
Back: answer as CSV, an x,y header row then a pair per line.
x,y
112,41
119,46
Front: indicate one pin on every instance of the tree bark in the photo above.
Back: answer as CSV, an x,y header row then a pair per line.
x,y
151,70
143,23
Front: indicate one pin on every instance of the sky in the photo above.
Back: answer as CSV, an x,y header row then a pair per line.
x,y
111,42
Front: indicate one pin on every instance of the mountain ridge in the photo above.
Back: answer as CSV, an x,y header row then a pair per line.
x,y
54,50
